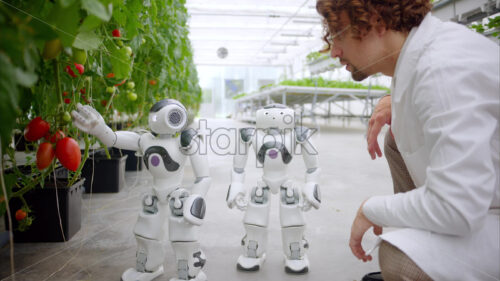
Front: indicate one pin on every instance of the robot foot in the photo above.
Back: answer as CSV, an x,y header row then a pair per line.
x,y
200,277
132,274
299,266
250,264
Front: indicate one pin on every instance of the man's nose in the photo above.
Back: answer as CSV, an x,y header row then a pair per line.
x,y
336,52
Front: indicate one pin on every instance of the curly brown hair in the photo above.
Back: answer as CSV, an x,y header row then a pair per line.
x,y
398,15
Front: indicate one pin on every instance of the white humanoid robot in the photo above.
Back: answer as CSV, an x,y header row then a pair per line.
x,y
164,155
274,140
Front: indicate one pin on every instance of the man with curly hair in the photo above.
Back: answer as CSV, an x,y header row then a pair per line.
x,y
443,146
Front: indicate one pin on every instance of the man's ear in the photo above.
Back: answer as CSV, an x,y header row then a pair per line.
x,y
378,25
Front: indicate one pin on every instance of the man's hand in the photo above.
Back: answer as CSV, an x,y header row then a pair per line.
x,y
359,227
381,116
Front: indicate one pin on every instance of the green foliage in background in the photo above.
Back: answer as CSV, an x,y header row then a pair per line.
x,y
493,25
324,83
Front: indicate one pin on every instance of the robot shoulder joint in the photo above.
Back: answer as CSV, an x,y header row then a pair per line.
x,y
187,136
246,134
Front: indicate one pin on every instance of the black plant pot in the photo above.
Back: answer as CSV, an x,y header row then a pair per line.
x,y
108,174
46,226
133,163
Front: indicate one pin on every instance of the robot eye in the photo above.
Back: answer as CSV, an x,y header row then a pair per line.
x,y
175,117
281,113
267,113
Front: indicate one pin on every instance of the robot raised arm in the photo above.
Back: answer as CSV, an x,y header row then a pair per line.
x,y
311,189
236,192
90,121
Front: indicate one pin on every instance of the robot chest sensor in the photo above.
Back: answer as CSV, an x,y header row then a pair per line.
x,y
155,155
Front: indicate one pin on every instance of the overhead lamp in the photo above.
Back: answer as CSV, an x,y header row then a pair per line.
x,y
296,35
222,52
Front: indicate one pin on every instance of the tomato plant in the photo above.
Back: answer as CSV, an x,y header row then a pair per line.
x,y
36,129
44,155
68,153
74,46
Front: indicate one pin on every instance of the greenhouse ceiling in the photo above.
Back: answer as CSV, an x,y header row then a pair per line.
x,y
278,32
254,33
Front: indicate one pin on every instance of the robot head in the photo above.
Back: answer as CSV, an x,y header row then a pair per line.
x,y
275,116
167,116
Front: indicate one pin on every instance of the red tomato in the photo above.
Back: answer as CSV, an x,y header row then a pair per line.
x,y
68,153
67,101
116,33
121,83
152,82
82,91
44,155
36,129
20,215
104,102
78,67
110,75
65,94
69,71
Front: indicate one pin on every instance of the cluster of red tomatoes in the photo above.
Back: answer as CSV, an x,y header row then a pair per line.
x,y
66,149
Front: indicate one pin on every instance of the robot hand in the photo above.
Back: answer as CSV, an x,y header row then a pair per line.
x,y
236,196
194,209
312,196
90,121
191,207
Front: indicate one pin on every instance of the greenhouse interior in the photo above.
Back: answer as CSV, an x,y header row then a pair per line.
x,y
372,129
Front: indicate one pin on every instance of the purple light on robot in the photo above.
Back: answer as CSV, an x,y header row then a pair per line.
x,y
273,153
155,160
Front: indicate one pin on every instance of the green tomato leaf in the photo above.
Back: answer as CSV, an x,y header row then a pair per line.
x,y
120,17
96,8
9,98
66,3
66,22
87,40
26,79
90,23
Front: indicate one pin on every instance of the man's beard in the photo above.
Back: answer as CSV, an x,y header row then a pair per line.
x,y
358,75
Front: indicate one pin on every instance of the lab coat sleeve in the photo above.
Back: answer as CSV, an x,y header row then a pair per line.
x,y
459,116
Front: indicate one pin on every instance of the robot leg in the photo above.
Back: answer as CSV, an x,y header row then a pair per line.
x,y
186,214
292,230
255,222
149,234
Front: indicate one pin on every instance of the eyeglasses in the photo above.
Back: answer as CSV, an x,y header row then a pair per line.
x,y
338,35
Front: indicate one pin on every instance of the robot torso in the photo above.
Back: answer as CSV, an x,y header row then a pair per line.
x,y
163,159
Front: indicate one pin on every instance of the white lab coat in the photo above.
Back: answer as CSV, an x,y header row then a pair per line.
x,y
445,120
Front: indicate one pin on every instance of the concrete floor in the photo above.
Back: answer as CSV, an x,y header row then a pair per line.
x,y
105,246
